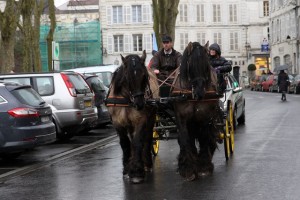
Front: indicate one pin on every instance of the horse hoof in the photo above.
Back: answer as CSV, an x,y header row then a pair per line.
x,y
136,180
191,178
148,169
202,174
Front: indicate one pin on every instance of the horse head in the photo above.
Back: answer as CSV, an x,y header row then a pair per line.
x,y
195,68
136,78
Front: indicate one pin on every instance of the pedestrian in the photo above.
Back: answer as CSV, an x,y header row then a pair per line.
x,y
220,64
283,83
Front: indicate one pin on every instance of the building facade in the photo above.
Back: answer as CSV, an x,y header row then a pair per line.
x,y
237,25
284,27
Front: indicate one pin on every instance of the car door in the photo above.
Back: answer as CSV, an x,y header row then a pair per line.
x,y
237,95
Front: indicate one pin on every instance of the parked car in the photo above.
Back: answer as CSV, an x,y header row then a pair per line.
x,y
254,82
69,96
295,85
270,84
25,120
100,91
262,78
104,72
234,93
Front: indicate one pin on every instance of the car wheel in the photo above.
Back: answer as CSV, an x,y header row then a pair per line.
x,y
62,134
242,118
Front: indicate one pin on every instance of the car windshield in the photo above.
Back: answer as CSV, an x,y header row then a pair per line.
x,y
28,96
96,84
105,77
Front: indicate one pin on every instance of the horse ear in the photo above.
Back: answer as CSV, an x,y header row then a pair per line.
x,y
207,44
123,59
143,57
190,48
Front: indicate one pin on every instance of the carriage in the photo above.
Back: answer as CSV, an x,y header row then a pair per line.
x,y
165,124
142,114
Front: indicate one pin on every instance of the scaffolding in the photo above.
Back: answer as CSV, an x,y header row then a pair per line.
x,y
79,45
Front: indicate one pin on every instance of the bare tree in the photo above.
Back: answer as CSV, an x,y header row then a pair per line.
x,y
9,19
164,18
51,32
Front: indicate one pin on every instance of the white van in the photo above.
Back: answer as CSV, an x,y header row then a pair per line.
x,y
104,72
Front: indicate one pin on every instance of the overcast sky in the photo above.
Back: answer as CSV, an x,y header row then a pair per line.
x,y
59,2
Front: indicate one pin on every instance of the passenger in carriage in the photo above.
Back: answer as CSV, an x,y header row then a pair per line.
x,y
220,64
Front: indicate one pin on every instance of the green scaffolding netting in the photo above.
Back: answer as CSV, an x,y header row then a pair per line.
x,y
79,45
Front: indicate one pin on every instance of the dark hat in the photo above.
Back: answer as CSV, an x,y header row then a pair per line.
x,y
166,38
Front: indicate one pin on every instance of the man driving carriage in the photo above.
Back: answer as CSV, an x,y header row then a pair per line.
x,y
165,61
220,64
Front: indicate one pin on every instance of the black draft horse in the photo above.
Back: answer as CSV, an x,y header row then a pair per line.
x,y
196,116
132,118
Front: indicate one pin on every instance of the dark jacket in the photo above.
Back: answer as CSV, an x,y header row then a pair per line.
x,y
219,61
166,63
283,81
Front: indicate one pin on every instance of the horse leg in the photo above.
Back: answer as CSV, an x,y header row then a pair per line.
x,y
126,148
187,158
208,146
136,168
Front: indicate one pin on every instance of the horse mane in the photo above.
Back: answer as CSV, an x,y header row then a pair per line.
x,y
195,64
125,73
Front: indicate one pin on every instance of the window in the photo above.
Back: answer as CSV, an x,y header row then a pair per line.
x,y
45,85
184,39
28,96
183,12
233,13
276,61
23,81
266,8
200,13
2,100
118,43
201,38
117,14
216,13
137,42
234,39
136,13
218,39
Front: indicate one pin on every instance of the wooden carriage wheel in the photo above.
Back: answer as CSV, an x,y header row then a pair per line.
x,y
229,131
155,145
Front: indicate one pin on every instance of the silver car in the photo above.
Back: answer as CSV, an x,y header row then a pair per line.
x,y
69,96
234,93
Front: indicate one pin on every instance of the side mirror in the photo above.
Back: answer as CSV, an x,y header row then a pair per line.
x,y
238,89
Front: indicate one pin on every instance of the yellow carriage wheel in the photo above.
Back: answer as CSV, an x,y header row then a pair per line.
x,y
231,128
226,141
155,146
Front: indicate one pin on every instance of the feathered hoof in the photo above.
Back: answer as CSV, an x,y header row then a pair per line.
x,y
191,178
203,174
136,180
148,169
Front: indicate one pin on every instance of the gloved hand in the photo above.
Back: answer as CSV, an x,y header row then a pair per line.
x,y
218,69
156,71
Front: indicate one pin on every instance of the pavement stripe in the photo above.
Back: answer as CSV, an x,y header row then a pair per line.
x,y
56,158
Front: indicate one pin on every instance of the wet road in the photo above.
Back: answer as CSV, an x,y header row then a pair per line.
x,y
265,165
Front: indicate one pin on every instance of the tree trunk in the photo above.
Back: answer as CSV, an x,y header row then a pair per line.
x,y
164,18
9,19
51,33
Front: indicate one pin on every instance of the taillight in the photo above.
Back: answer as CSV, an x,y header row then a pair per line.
x,y
69,85
23,112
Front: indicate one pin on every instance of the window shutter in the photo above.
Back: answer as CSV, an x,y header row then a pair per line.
x,y
192,14
127,43
146,14
261,9
110,44
109,15
147,41
127,14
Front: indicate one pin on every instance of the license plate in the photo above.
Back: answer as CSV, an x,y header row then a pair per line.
x,y
45,118
88,104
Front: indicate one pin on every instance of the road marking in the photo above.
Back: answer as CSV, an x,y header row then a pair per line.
x,y
54,159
